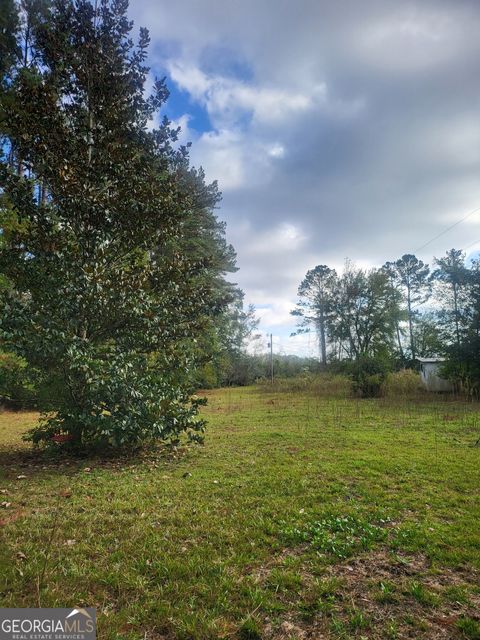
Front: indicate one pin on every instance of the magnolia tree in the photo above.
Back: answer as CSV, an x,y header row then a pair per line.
x,y
114,258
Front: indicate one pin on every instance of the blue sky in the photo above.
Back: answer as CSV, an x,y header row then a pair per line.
x,y
334,129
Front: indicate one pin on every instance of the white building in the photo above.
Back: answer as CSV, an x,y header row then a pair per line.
x,y
430,374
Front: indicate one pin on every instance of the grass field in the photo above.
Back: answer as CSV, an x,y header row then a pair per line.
x,y
301,517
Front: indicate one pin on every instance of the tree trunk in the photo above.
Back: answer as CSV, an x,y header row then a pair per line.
x,y
410,325
323,342
399,340
455,303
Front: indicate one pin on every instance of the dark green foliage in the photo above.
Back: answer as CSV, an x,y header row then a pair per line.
x,y
459,320
368,374
365,316
357,312
427,336
113,253
316,292
17,388
222,350
9,49
365,313
451,278
463,365
411,276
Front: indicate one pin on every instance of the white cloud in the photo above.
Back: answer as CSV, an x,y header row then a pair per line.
x,y
186,134
415,38
235,159
280,240
277,314
343,129
229,99
276,151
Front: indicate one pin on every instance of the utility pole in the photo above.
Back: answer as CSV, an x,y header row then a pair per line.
x,y
271,357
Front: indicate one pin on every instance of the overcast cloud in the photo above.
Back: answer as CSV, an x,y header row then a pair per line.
x,y
334,129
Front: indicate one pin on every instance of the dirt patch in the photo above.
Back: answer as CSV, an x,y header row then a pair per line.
x,y
382,595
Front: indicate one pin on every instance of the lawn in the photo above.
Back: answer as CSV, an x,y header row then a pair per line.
x,y
301,516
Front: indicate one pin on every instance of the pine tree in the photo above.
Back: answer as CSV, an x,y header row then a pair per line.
x,y
316,292
451,277
411,276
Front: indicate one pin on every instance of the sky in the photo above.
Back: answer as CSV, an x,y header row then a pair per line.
x,y
336,129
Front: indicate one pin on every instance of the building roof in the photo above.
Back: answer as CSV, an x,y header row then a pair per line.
x,y
431,360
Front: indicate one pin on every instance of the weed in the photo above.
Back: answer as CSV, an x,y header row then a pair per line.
x,y
457,594
284,580
469,628
391,630
357,620
386,592
250,630
338,536
422,595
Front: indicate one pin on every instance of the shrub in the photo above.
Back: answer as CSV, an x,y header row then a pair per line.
x,y
127,401
368,375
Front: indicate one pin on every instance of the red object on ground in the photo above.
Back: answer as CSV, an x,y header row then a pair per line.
x,y
62,437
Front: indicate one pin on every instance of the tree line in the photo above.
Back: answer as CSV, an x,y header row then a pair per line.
x,y
397,313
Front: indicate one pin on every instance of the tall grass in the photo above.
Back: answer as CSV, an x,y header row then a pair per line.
x,y
326,385
404,383
399,387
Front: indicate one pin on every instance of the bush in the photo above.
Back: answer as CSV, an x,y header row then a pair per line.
x,y
127,401
368,375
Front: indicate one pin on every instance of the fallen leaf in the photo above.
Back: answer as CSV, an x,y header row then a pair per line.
x,y
21,555
446,621
21,477
70,543
5,505
87,469
66,493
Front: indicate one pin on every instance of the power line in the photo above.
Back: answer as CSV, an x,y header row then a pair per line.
x,y
448,229
470,245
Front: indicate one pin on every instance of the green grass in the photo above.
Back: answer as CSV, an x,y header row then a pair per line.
x,y
295,512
